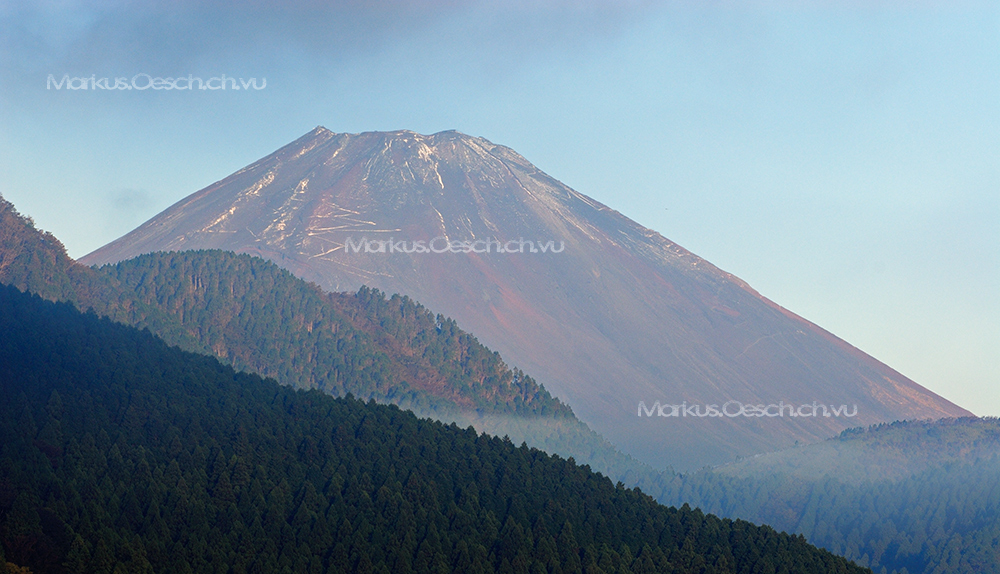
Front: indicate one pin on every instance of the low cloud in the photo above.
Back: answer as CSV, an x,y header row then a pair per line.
x,y
130,206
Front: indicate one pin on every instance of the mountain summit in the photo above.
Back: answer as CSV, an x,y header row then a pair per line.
x,y
610,316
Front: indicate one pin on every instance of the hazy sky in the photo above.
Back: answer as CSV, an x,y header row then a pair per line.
x,y
841,157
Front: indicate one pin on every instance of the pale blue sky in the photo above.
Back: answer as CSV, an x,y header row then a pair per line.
x,y
842,157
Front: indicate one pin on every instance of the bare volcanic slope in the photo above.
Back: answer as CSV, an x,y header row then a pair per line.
x,y
607,315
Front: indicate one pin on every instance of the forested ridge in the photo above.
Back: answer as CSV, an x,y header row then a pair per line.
x,y
119,453
265,320
258,317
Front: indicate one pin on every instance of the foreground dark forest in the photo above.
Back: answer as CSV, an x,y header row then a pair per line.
x,y
121,454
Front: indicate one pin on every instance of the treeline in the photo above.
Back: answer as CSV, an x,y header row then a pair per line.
x,y
121,454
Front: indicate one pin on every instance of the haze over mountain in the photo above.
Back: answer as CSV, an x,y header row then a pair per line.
x,y
916,497
613,314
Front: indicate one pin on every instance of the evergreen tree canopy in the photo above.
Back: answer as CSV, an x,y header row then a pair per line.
x,y
120,453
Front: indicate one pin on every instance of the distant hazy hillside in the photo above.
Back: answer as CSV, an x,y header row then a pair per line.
x,y
881,452
916,497
121,454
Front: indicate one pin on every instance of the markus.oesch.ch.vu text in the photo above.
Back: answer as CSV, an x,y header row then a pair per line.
x,y
145,82
733,409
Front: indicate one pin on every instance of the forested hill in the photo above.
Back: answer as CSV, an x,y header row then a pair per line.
x,y
908,497
258,317
263,319
122,454
36,261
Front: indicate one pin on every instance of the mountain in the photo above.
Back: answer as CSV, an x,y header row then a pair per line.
x,y
914,497
871,495
606,314
122,454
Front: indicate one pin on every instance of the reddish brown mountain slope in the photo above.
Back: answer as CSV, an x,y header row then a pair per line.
x,y
621,315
